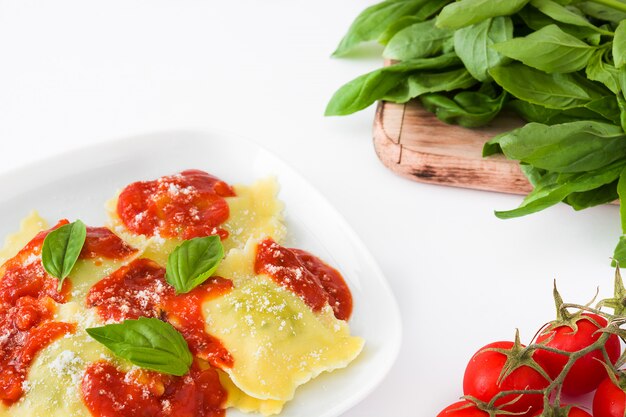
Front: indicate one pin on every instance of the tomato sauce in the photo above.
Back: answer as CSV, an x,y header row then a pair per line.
x,y
108,392
28,300
139,289
186,205
306,275
101,242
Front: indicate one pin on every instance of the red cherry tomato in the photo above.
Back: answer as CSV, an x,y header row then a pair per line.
x,y
481,381
573,412
587,373
462,409
609,400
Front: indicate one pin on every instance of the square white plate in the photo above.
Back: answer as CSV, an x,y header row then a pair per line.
x,y
76,185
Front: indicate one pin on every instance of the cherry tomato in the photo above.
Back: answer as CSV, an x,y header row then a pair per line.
x,y
573,412
481,381
462,409
587,373
609,400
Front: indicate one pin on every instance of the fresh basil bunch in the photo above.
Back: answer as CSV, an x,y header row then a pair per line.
x,y
559,64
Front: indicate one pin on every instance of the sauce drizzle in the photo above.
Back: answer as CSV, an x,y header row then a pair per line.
x,y
108,392
306,275
186,205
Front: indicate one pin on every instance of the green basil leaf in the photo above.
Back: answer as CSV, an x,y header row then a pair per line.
x,y
621,192
473,45
61,249
562,14
567,148
548,49
606,107
601,71
532,174
556,91
602,12
424,13
539,114
393,29
468,12
374,20
554,192
536,20
467,108
193,262
419,40
366,89
619,45
148,343
424,82
602,195
619,254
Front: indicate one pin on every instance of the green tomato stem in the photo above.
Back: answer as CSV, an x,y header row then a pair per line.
x,y
614,4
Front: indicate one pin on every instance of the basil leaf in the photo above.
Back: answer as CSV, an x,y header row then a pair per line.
x,y
419,40
374,20
420,83
606,107
621,191
602,195
556,91
570,147
148,343
366,89
536,113
553,193
396,27
602,12
467,12
620,251
532,174
473,45
61,249
562,14
601,71
467,108
548,49
193,262
619,45
536,20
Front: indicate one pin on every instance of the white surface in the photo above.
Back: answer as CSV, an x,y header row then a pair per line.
x,y
78,72
77,187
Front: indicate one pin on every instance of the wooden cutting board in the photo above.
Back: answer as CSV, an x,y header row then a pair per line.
x,y
413,143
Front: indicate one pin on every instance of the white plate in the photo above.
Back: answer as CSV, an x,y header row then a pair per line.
x,y
76,185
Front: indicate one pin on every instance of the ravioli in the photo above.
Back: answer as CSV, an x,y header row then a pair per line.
x,y
255,211
266,327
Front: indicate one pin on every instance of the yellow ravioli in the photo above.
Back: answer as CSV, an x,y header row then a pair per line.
x,y
255,212
276,340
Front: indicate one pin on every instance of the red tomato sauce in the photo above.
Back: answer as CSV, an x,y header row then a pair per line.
x,y
186,205
108,392
306,275
28,300
139,289
101,242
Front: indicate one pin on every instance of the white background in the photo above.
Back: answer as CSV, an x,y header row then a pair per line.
x,y
74,73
